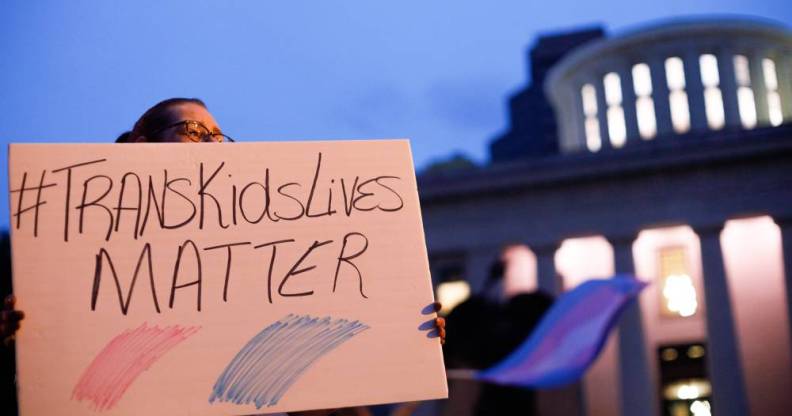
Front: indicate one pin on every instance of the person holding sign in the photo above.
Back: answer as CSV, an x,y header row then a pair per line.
x,y
176,120
181,120
9,320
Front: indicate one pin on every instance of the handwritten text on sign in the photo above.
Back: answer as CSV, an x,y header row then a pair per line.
x,y
308,254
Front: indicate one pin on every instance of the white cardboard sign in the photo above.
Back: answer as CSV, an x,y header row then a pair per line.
x,y
218,279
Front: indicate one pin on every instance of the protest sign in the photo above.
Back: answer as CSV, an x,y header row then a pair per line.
x,y
219,279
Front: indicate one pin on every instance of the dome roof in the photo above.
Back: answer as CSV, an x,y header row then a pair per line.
x,y
679,34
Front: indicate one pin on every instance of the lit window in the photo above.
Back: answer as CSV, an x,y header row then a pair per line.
x,y
593,140
589,100
675,73
745,95
589,96
768,69
613,93
678,291
450,294
669,354
519,270
680,115
696,351
680,295
677,98
773,98
741,71
642,80
701,408
644,106
713,100
690,389
709,70
613,98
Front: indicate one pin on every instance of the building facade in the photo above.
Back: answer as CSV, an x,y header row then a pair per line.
x,y
669,156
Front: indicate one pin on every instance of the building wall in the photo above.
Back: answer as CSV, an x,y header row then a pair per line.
x,y
657,198
618,194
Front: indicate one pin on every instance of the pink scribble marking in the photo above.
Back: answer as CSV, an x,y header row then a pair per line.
x,y
122,360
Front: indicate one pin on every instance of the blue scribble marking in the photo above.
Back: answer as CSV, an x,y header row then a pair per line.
x,y
274,359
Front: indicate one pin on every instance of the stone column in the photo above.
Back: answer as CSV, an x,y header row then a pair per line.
x,y
784,69
602,113
723,356
695,91
728,86
573,134
628,103
759,88
547,278
785,225
638,391
660,96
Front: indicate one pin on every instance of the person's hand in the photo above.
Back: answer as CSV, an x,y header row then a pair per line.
x,y
9,320
435,326
440,323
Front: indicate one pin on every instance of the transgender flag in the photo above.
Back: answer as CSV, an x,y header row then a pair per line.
x,y
569,337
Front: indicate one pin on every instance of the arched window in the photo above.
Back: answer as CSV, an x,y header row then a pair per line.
x,y
713,100
589,96
773,98
644,105
677,289
677,97
613,98
745,95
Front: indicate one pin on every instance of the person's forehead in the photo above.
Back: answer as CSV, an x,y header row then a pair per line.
x,y
192,111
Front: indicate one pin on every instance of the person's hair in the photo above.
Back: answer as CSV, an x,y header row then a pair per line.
x,y
124,137
156,118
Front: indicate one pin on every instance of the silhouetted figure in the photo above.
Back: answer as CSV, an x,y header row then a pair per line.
x,y
7,352
481,332
124,137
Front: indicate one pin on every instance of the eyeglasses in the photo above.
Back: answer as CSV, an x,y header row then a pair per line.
x,y
196,132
